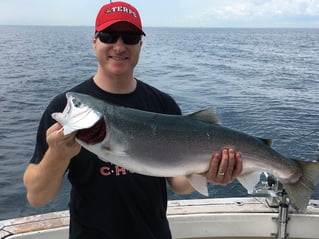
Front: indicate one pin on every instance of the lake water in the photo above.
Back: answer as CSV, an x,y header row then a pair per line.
x,y
264,82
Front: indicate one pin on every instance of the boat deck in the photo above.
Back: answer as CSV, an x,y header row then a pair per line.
x,y
203,218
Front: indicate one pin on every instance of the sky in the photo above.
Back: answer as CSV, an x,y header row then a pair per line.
x,y
168,13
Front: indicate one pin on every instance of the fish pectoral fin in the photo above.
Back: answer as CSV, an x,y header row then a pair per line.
x,y
109,153
199,183
114,150
249,180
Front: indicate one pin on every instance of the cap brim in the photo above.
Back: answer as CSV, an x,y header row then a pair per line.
x,y
104,26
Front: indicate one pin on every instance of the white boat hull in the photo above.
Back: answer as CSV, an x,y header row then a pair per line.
x,y
204,218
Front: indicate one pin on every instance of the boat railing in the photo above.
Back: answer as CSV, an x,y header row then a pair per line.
x,y
276,198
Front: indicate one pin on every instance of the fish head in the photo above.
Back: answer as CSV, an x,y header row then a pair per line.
x,y
79,115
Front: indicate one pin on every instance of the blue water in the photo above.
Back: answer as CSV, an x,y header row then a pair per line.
x,y
264,82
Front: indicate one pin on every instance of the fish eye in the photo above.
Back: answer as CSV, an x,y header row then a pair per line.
x,y
76,103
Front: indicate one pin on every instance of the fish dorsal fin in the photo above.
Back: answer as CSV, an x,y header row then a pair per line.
x,y
266,141
208,115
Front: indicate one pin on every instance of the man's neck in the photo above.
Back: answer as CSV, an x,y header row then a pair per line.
x,y
115,85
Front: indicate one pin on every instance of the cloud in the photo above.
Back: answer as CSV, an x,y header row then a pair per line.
x,y
256,12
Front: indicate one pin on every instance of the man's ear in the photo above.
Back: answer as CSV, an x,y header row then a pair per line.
x,y
94,43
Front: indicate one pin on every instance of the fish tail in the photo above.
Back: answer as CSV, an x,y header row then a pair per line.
x,y
300,192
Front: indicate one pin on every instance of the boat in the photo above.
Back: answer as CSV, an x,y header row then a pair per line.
x,y
263,217
197,218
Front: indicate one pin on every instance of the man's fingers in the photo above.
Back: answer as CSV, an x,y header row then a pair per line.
x,y
238,167
224,167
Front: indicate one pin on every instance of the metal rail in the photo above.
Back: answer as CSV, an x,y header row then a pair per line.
x,y
276,198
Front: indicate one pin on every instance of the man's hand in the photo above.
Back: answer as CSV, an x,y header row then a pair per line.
x,y
60,143
225,166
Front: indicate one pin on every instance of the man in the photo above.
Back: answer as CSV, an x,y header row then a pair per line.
x,y
108,201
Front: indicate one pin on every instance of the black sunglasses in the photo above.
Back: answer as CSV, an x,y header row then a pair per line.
x,y
129,38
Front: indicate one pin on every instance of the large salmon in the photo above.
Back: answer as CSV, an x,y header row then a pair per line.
x,y
174,145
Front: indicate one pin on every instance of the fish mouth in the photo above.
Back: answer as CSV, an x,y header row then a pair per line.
x,y
94,134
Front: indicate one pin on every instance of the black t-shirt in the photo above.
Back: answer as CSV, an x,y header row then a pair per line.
x,y
108,201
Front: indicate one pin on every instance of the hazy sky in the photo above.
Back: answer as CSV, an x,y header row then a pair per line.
x,y
181,13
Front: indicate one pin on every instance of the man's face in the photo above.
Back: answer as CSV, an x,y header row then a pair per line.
x,y
118,59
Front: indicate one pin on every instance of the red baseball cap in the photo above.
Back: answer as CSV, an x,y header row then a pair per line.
x,y
115,12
